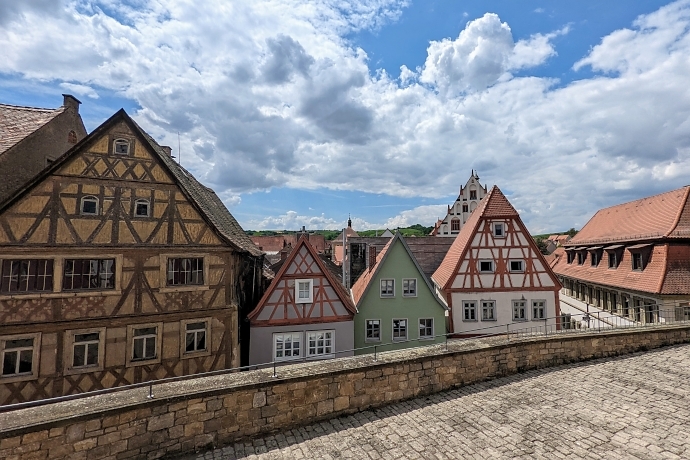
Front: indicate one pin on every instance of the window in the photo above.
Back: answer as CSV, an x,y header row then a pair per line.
x,y
387,288
18,356
486,266
72,137
581,257
121,147
571,256
185,271
426,328
517,266
538,309
410,287
287,346
88,274
89,206
26,275
595,258
499,230
473,194
465,208
488,310
519,310
637,261
195,337
320,344
455,225
304,291
142,208
373,332
85,349
469,310
145,343
613,262
399,329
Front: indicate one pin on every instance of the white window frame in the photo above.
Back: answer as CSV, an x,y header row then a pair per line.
x,y
479,266
405,327
419,325
366,330
487,307
148,208
522,265
519,304
35,356
121,141
328,344
469,306
70,344
310,290
295,337
497,225
183,337
410,293
130,344
385,294
89,198
535,306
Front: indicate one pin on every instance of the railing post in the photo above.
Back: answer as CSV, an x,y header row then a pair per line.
x,y
274,369
546,327
446,342
375,357
150,396
599,320
508,331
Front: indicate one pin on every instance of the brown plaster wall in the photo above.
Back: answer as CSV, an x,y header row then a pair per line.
x,y
214,411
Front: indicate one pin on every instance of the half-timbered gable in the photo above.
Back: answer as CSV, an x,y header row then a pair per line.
x,y
494,274
305,305
117,245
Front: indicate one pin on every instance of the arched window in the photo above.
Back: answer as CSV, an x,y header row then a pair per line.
x,y
89,206
72,137
455,225
465,208
142,208
121,147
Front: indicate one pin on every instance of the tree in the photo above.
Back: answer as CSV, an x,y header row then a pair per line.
x,y
541,244
572,232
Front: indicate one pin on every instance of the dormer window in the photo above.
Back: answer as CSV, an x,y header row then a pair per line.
x,y
640,256
121,147
637,261
89,206
613,262
615,253
571,256
141,208
581,257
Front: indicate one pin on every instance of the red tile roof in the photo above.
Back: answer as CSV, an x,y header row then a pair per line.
x,y
494,204
654,217
16,123
363,281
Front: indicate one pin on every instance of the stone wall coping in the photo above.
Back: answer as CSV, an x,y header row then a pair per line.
x,y
13,423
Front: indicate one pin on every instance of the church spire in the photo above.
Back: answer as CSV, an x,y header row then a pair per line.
x,y
349,221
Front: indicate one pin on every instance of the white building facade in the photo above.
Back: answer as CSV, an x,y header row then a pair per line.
x,y
468,200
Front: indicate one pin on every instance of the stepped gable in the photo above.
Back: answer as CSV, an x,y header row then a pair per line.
x,y
493,205
16,123
654,217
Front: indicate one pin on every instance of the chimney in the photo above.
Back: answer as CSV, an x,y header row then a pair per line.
x,y
71,102
372,257
167,150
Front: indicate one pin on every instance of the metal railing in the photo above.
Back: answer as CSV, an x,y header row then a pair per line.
x,y
600,321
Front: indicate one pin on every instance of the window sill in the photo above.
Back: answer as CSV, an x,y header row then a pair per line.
x,y
83,370
184,288
62,294
494,320
143,362
469,320
388,297
372,340
304,301
195,354
421,339
410,296
520,320
400,340
317,357
18,378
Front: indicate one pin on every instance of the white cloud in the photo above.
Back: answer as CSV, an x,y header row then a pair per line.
x,y
80,90
271,93
423,215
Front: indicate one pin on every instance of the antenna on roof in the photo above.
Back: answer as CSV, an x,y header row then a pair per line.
x,y
179,150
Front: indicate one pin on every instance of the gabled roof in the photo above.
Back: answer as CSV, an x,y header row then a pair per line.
x,y
493,205
363,284
654,217
206,202
17,123
337,286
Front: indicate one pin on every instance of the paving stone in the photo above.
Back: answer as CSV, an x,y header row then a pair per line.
x,y
630,407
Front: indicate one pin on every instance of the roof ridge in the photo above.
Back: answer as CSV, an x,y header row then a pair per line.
x,y
33,109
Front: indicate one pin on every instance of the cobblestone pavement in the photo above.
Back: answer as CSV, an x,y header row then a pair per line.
x,y
630,407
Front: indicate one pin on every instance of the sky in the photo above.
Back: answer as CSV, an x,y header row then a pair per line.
x,y
303,112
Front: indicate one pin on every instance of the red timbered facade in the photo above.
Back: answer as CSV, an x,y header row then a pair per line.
x,y
304,314
494,275
118,267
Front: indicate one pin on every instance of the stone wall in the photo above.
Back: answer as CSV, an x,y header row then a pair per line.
x,y
211,411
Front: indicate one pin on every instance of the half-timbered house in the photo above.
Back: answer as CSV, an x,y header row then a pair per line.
x,y
305,314
494,275
118,266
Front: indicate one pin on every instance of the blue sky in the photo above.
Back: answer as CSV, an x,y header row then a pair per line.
x,y
300,113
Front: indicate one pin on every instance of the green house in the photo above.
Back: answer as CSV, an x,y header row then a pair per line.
x,y
396,304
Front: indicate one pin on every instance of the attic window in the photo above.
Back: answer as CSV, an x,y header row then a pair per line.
x,y
141,208
72,137
89,206
498,230
486,266
473,194
121,147
637,261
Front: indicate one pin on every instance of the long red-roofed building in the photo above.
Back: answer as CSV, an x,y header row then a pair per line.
x,y
633,258
494,276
